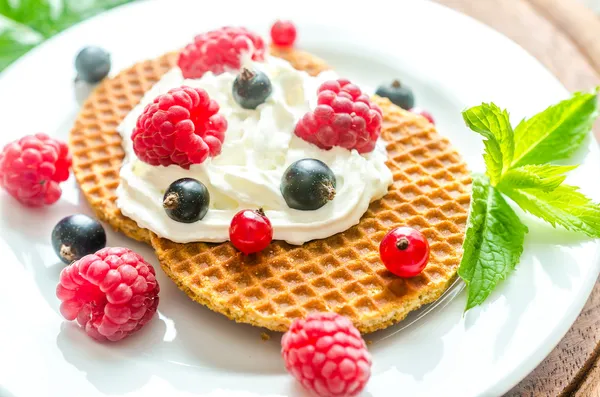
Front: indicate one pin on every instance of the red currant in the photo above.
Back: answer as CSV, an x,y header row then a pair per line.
x,y
283,33
423,113
404,251
250,231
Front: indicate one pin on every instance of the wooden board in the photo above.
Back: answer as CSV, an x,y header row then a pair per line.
x,y
565,37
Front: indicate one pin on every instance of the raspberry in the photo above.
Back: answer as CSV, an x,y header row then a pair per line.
x,y
283,33
326,353
219,50
344,117
111,293
180,127
32,167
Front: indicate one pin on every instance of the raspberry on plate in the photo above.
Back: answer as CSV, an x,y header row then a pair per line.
x,y
32,167
112,293
219,50
327,355
344,117
180,127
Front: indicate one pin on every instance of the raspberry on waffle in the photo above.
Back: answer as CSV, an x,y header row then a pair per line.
x,y
344,117
180,127
219,50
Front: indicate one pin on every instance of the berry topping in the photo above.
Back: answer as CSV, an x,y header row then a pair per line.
x,y
404,251
424,113
219,50
77,236
399,94
251,88
111,293
283,33
308,184
343,117
327,355
180,127
186,200
250,231
32,167
92,64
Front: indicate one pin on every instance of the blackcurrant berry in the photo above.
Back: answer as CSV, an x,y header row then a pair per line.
x,y
77,236
308,184
186,200
399,94
92,64
251,88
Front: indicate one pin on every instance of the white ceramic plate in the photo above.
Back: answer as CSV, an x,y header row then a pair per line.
x,y
450,60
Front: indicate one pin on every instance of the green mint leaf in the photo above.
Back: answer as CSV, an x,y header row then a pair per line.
x,y
493,241
27,23
493,124
565,206
557,132
546,177
13,44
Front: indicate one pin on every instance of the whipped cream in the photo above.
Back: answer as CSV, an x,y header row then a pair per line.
x,y
259,146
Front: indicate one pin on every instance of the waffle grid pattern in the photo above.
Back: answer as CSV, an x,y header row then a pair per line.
x,y
342,273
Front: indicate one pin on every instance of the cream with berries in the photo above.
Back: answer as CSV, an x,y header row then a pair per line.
x,y
238,132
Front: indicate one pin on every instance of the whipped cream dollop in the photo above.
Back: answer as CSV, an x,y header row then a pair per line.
x,y
259,146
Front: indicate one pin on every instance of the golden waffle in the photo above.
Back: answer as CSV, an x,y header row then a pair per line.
x,y
342,273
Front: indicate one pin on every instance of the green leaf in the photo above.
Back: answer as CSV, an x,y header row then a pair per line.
x,y
565,206
493,124
27,23
546,177
557,132
493,241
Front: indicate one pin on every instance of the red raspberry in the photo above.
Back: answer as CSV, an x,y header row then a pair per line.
x,y
180,127
326,354
111,293
283,33
32,167
343,117
219,50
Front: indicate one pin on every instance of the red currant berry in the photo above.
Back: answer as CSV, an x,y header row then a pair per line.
x,y
283,33
404,251
423,113
250,231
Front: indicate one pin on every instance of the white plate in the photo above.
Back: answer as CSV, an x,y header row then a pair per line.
x,y
451,61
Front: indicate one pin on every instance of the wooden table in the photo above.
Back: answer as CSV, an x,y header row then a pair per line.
x,y
565,36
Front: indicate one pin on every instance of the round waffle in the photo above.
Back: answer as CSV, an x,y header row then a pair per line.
x,y
342,273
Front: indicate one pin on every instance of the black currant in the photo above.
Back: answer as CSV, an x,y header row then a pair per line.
x,y
92,64
251,88
308,184
186,200
77,236
398,93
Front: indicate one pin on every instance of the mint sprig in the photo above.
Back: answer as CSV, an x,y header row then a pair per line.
x,y
494,125
518,165
493,241
27,23
557,132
